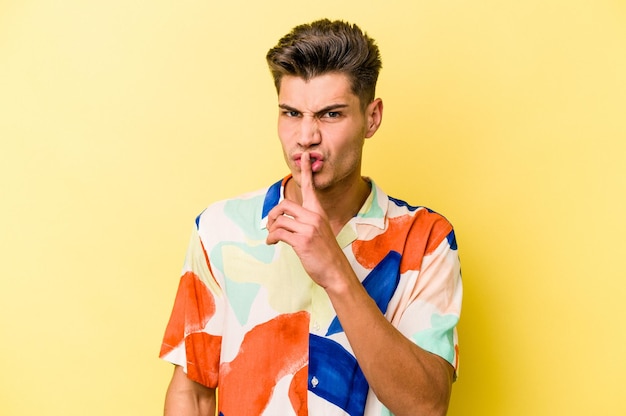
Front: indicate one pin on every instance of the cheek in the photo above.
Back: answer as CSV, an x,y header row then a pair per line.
x,y
286,147
350,156
283,135
348,143
286,131
286,151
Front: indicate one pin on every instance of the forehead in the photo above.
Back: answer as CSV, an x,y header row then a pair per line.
x,y
317,92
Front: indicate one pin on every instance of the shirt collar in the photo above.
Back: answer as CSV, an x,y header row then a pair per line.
x,y
373,211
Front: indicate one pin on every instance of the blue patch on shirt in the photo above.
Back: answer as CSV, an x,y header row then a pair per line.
x,y
271,198
402,203
452,240
335,375
198,220
381,283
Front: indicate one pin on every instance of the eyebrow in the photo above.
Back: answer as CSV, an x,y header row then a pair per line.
x,y
326,109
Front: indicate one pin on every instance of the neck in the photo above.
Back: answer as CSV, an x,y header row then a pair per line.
x,y
340,203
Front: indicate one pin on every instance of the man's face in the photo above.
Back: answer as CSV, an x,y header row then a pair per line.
x,y
323,117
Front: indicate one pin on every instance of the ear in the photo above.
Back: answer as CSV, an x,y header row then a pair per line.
x,y
374,116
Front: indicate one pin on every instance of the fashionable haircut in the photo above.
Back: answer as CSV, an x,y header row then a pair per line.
x,y
323,47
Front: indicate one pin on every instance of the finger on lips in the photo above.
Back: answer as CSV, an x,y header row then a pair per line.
x,y
306,181
306,173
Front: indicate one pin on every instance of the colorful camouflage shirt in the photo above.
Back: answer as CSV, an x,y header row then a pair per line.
x,y
248,320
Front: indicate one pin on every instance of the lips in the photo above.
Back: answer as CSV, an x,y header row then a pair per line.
x,y
316,158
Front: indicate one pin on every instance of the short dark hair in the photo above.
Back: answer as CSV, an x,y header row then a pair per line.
x,y
323,47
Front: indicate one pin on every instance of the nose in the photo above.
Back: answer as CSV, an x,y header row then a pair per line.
x,y
309,134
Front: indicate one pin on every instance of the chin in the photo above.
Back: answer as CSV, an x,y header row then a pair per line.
x,y
321,184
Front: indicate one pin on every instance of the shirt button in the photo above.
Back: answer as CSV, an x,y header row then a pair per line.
x,y
316,326
314,382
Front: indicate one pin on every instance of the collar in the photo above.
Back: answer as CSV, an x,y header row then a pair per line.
x,y
373,212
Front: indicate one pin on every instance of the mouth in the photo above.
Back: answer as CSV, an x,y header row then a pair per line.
x,y
316,159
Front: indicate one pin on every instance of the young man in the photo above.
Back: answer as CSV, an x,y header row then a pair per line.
x,y
319,295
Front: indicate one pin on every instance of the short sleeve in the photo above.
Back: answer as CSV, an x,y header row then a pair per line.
x,y
193,334
434,305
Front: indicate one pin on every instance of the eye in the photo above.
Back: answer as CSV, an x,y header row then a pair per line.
x,y
332,115
291,113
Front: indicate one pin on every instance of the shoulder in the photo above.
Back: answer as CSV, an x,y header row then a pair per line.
x,y
421,222
244,209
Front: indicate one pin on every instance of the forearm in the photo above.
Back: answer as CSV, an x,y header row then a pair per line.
x,y
185,397
406,379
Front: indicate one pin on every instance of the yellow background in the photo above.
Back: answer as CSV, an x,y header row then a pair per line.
x,y
120,120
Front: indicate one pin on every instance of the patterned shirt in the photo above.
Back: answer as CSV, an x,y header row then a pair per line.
x,y
249,320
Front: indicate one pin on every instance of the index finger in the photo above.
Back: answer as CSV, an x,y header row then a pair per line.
x,y
307,187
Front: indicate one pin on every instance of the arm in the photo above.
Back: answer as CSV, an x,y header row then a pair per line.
x,y
406,378
185,397
409,380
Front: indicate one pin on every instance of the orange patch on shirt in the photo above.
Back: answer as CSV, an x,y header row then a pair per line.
x,y
422,232
269,352
203,357
193,308
297,394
